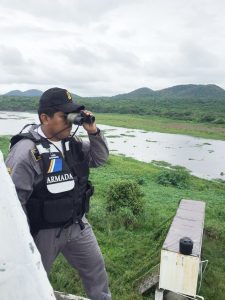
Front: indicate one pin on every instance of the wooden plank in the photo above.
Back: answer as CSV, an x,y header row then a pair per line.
x,y
149,280
174,296
64,296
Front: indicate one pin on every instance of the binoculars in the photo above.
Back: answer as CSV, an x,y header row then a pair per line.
x,y
80,118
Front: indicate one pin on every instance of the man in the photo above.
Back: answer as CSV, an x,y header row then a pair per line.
x,y
50,171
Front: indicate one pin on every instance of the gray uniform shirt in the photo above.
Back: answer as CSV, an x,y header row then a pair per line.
x,y
26,170
78,246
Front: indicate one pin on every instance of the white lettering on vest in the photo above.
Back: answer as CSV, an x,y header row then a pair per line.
x,y
59,178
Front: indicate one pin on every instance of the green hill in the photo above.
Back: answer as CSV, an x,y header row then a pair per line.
x,y
28,93
198,103
139,93
192,90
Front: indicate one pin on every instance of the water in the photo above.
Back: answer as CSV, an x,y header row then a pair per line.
x,y
205,158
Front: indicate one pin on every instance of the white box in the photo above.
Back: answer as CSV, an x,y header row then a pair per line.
x,y
179,273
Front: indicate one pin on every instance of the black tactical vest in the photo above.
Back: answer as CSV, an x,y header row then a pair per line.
x,y
62,197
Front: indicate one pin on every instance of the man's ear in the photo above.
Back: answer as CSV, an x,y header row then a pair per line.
x,y
44,119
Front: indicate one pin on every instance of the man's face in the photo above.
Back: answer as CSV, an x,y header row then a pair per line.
x,y
57,123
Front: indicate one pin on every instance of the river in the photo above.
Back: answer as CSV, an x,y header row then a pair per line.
x,y
204,158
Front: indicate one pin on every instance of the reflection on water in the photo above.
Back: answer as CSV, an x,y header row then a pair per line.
x,y
203,157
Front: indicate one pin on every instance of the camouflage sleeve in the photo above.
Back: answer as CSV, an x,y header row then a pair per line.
x,y
22,168
96,150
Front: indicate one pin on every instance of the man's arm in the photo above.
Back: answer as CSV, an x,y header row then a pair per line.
x,y
96,150
22,169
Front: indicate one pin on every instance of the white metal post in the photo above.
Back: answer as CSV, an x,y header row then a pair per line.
x,y
22,275
158,294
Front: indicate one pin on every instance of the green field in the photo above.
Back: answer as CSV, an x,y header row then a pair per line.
x,y
131,252
161,124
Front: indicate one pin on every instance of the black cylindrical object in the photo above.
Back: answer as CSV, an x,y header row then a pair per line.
x,y
80,118
186,245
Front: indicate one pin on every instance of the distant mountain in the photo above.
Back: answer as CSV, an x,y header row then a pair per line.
x,y
192,102
74,96
13,93
192,90
28,93
31,93
142,92
185,91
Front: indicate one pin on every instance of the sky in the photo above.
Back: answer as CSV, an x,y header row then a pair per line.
x,y
108,47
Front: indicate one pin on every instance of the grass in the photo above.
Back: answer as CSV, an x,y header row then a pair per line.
x,y
130,253
161,124
4,144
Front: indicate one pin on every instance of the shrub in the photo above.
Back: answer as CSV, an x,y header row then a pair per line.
x,y
125,193
124,202
123,217
140,181
179,178
207,118
219,121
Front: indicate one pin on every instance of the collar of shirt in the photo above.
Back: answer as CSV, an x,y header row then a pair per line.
x,y
57,144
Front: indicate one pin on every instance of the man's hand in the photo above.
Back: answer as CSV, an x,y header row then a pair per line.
x,y
90,128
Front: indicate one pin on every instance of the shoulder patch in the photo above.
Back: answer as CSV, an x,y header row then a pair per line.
x,y
9,171
35,154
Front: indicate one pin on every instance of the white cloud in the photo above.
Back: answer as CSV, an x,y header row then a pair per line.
x,y
103,47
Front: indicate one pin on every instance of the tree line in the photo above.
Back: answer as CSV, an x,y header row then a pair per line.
x,y
199,110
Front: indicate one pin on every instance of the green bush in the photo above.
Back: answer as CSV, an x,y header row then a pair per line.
x,y
123,217
207,118
179,178
124,202
219,121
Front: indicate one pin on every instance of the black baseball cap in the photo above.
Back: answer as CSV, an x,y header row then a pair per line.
x,y
60,99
